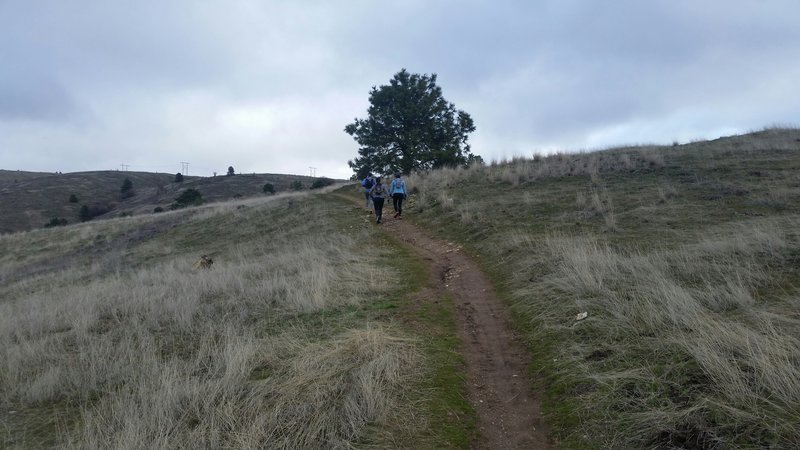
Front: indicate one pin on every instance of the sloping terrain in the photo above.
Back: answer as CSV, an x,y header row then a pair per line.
x,y
299,335
29,200
657,287
12,176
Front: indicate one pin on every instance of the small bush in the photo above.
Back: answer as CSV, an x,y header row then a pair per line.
x,y
127,188
158,209
268,188
296,185
56,222
73,198
230,172
189,197
87,212
475,160
321,183
179,177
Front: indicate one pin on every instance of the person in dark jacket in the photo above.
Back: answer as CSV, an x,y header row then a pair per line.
x,y
367,184
378,195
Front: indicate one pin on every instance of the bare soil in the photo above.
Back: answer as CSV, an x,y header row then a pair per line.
x,y
498,383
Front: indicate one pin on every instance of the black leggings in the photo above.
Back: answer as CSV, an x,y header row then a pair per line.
x,y
378,203
397,199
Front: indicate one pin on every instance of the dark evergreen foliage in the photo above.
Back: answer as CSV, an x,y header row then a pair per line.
x,y
127,188
56,222
189,197
410,126
321,183
90,212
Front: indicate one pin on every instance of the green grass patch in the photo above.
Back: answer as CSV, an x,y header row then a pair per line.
x,y
452,419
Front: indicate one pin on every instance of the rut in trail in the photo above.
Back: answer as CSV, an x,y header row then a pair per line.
x,y
498,386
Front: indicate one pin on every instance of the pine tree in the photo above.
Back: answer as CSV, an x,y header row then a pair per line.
x,y
410,126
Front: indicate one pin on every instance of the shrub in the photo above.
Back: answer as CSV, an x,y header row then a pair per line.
x,y
56,222
179,177
321,183
87,213
296,185
268,188
127,188
73,198
189,197
158,209
230,171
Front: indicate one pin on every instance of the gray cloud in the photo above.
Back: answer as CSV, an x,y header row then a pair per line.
x,y
33,99
269,85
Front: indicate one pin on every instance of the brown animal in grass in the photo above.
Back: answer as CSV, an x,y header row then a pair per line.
x,y
204,262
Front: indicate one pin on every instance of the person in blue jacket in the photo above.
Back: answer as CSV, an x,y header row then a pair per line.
x,y
398,192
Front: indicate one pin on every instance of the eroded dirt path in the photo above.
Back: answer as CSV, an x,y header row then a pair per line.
x,y
496,361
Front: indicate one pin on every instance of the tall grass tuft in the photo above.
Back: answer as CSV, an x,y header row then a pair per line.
x,y
687,300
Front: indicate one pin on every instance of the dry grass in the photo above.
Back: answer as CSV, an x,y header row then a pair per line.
x,y
698,300
685,258
306,395
434,190
113,328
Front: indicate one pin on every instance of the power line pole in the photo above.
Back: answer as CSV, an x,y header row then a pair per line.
x,y
184,168
312,171
124,167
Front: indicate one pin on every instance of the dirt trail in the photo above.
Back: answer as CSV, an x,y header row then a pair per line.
x,y
496,361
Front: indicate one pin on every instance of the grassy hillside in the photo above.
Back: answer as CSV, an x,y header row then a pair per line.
x,y
13,176
29,200
110,339
685,259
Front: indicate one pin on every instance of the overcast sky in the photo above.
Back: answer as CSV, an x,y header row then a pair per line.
x,y
268,85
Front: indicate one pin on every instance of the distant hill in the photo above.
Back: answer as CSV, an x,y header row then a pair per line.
x,y
29,200
18,175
